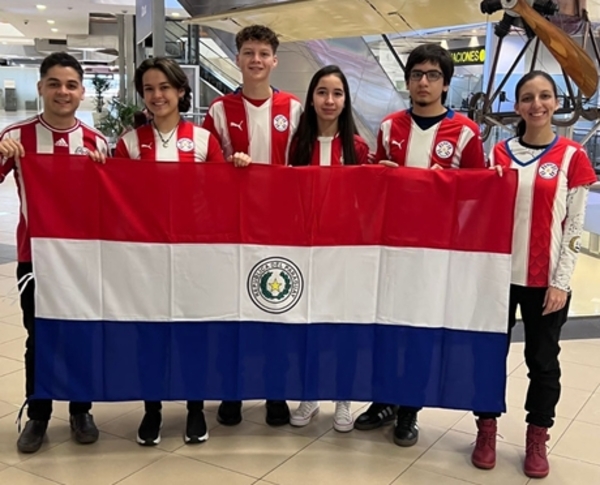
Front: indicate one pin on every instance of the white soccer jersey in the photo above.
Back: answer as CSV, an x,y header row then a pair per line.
x,y
38,137
261,129
189,143
454,142
550,194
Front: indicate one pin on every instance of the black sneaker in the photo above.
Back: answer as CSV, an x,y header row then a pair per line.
x,y
195,428
83,428
32,436
407,431
377,415
149,430
230,413
278,413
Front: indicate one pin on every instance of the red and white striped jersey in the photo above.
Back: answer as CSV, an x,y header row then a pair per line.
x,y
261,129
454,142
328,151
545,178
38,137
190,143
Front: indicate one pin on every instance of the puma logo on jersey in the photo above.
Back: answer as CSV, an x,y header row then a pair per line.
x,y
237,125
61,143
398,143
148,146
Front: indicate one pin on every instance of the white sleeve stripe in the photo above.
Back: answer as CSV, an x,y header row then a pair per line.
x,y
386,129
466,135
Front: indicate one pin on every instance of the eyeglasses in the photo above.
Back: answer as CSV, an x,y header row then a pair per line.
x,y
432,76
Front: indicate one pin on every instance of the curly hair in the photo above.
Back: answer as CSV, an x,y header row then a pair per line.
x,y
260,33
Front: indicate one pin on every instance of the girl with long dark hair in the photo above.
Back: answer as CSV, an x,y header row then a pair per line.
x,y
327,134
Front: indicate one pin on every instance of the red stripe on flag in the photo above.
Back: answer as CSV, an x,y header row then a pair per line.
x,y
139,201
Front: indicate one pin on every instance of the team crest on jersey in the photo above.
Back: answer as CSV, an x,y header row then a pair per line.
x,y
548,170
275,285
444,149
185,144
81,151
281,123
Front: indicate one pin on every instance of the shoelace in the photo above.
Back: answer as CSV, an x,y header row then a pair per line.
x,y
342,410
487,437
305,408
20,416
21,285
539,447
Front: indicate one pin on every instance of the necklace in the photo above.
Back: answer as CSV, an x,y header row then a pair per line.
x,y
165,142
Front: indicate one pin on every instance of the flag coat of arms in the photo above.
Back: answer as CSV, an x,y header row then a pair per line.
x,y
202,281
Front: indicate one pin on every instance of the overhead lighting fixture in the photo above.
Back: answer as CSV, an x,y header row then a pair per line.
x,y
175,14
41,7
54,30
51,22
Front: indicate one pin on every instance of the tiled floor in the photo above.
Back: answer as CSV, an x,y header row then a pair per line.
x,y
253,453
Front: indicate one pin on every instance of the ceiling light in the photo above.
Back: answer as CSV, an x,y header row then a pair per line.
x,y
175,14
51,22
41,7
54,30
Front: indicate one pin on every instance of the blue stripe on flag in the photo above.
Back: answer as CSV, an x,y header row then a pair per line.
x,y
115,361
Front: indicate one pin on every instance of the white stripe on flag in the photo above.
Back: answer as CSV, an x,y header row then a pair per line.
x,y
210,282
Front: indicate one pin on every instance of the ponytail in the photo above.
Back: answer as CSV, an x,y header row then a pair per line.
x,y
521,127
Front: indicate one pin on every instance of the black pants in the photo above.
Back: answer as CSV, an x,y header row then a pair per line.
x,y
38,409
542,336
156,406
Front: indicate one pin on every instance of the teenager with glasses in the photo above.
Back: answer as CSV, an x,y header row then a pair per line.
x,y
429,136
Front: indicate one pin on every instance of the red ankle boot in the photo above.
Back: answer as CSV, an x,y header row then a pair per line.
x,y
536,460
484,454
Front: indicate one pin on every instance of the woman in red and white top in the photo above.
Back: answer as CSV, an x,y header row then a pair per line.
x,y
554,178
167,138
327,136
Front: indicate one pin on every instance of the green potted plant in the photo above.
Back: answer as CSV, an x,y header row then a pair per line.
x,y
101,85
117,118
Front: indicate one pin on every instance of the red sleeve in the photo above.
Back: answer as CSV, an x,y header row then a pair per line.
x,y
362,151
6,164
121,150
499,156
214,152
473,155
580,170
380,154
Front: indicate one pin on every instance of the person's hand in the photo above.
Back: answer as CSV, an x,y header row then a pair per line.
x,y
437,166
389,163
10,148
97,156
371,158
498,169
554,300
240,159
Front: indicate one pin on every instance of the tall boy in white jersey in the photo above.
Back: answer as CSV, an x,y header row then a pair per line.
x,y
255,123
55,131
256,120
428,136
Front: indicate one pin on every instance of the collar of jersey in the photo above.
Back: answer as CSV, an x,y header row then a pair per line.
x,y
448,114
534,159
238,90
44,123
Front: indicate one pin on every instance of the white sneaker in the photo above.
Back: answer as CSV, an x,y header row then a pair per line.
x,y
342,419
306,410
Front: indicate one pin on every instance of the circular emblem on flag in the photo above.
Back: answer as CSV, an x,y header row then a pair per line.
x,y
280,123
275,285
185,144
548,170
81,151
444,149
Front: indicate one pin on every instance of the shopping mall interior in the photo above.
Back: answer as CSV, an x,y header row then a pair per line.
x,y
370,41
